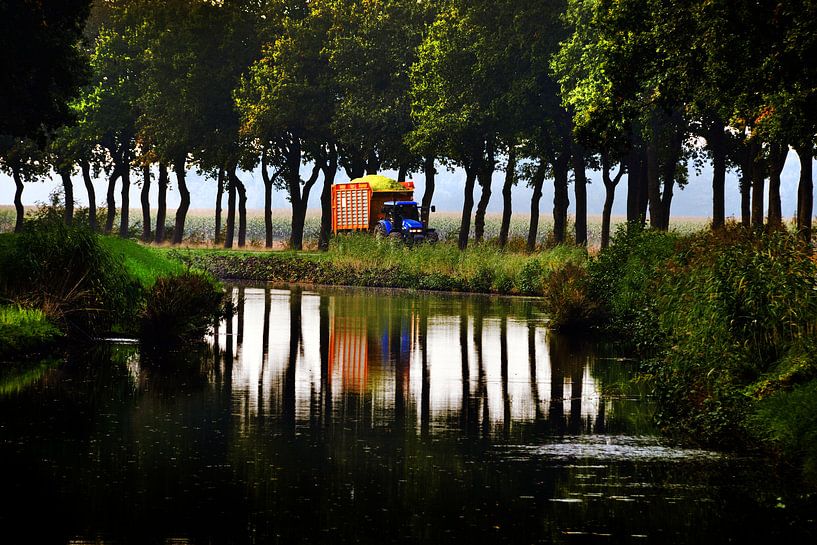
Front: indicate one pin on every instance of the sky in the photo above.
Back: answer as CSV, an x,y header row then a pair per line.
x,y
694,200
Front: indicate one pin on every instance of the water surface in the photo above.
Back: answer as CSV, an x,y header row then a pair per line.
x,y
355,416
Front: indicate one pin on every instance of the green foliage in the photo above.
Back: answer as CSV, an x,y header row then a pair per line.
x,y
181,308
65,272
623,277
23,330
728,316
788,420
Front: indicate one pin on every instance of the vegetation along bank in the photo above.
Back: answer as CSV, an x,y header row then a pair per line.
x,y
61,284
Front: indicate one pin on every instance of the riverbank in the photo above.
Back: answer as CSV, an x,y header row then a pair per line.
x,y
557,275
726,323
66,285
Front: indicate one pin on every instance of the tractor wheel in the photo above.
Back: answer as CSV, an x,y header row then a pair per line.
x,y
379,231
396,236
432,237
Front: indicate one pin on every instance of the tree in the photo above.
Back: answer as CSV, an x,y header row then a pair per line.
x,y
276,100
454,101
107,111
22,159
370,47
43,64
614,75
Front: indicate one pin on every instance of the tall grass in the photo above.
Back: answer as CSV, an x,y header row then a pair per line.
x,y
23,330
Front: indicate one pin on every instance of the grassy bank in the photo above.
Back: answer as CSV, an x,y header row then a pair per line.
x,y
67,283
727,321
360,260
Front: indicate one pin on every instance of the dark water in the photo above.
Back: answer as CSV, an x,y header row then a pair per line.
x,y
364,417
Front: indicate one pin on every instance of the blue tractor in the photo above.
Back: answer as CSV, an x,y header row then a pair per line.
x,y
402,223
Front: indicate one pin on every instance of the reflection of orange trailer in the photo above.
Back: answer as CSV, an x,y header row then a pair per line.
x,y
349,351
356,206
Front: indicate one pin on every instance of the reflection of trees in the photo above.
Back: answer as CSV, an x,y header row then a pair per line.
x,y
295,333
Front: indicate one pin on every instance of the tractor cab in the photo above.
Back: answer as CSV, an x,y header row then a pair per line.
x,y
401,220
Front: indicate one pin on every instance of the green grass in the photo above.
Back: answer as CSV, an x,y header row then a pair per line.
x,y
143,263
23,329
481,268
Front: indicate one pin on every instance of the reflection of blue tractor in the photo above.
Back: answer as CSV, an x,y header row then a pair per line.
x,y
402,223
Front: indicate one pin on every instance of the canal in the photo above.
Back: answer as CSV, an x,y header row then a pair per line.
x,y
361,416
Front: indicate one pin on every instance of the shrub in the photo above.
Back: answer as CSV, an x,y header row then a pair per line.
x,y
65,272
622,280
566,297
181,307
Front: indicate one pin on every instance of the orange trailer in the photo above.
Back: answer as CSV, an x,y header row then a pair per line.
x,y
356,206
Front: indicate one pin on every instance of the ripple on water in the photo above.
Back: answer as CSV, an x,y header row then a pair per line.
x,y
608,448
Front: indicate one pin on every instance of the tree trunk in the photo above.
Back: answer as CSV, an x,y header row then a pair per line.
x,y
111,201
536,183
580,191
633,185
18,199
219,198
161,204
507,187
184,204
805,191
609,197
372,163
296,239
124,209
68,190
758,186
777,159
85,167
644,189
300,199
561,199
746,165
145,198
330,169
467,207
654,185
428,194
242,206
229,236
485,177
268,180
717,145
402,173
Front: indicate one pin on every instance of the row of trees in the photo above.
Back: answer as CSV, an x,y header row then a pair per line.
x,y
542,89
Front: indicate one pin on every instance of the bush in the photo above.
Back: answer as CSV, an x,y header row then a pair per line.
x,y
566,297
67,274
623,278
180,308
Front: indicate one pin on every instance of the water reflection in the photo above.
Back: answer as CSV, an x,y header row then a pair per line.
x,y
362,417
417,362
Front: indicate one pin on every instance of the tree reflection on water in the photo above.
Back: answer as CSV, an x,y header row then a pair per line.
x,y
357,416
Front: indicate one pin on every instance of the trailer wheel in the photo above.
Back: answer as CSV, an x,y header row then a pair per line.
x,y
379,231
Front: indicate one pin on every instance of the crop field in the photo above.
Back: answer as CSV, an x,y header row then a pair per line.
x,y
200,226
